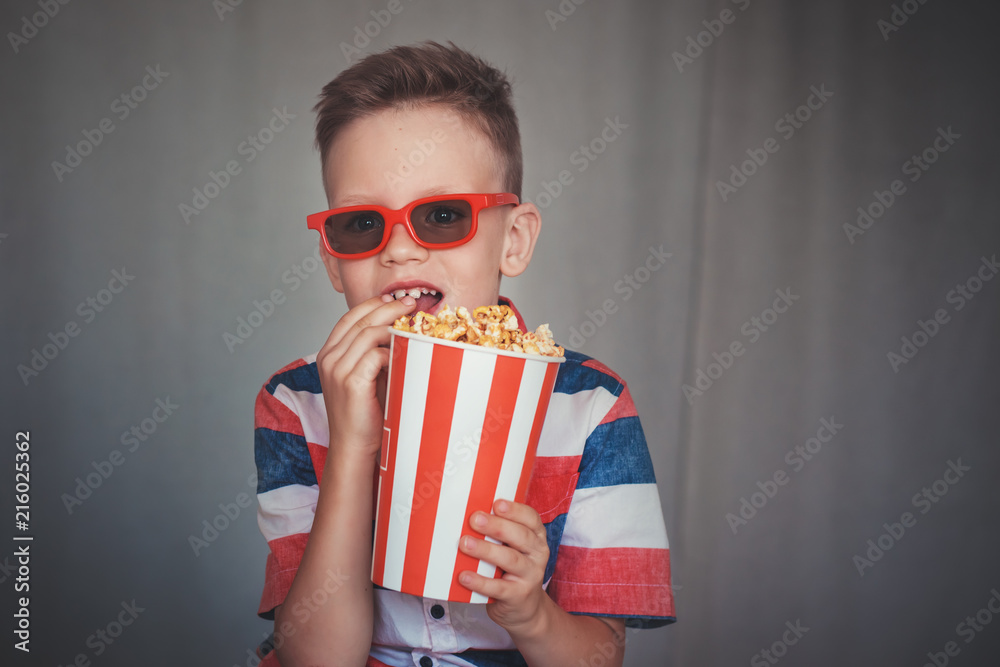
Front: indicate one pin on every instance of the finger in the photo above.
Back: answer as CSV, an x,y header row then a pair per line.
x,y
514,534
498,589
363,374
520,513
359,346
352,316
506,558
378,310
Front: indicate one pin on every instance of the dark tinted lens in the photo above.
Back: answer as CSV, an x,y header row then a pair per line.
x,y
442,221
355,231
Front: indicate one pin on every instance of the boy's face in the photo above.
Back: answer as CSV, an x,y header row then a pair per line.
x,y
396,157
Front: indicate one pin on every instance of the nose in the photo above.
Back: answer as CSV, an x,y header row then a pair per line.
x,y
402,247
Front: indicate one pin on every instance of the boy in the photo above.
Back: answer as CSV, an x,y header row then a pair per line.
x,y
403,136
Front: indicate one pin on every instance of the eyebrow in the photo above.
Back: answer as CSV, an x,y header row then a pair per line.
x,y
358,200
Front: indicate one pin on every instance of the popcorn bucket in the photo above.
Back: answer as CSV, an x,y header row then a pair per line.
x,y
461,427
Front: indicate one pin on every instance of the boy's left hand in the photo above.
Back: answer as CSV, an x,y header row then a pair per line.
x,y
522,556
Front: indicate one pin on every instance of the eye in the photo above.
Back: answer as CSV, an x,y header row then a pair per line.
x,y
444,215
362,223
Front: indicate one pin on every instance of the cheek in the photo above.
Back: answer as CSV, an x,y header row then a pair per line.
x,y
357,278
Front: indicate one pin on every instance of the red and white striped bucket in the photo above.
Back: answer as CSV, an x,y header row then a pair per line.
x,y
461,427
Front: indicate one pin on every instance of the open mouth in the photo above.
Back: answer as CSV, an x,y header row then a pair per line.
x,y
428,298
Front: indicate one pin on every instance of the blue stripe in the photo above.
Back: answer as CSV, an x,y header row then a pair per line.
x,y
574,376
493,658
282,459
303,378
616,453
643,622
553,535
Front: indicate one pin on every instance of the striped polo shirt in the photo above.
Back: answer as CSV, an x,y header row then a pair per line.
x,y
592,485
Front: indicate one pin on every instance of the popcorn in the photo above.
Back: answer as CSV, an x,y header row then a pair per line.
x,y
487,326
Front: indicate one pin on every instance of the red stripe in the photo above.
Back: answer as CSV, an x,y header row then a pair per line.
x,y
271,413
624,581
492,446
551,495
397,370
547,466
623,407
282,564
318,453
536,430
446,365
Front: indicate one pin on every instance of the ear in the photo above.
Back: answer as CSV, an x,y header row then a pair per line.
x,y
332,268
521,232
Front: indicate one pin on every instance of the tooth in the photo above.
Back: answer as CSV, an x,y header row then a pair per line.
x,y
399,294
423,290
434,292
415,292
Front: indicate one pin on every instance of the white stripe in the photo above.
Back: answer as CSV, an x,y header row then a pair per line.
x,y
626,515
517,445
570,420
311,411
487,570
287,510
520,431
411,422
474,383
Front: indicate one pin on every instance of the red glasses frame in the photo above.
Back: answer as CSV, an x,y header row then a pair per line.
x,y
393,217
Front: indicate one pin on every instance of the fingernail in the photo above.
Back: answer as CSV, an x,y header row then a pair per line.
x,y
468,543
480,520
386,298
503,506
409,300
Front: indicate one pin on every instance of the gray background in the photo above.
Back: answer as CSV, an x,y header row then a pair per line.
x,y
826,357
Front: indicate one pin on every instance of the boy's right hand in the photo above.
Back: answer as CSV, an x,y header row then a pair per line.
x,y
349,364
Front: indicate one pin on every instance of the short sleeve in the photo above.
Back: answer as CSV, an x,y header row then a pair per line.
x,y
613,556
287,486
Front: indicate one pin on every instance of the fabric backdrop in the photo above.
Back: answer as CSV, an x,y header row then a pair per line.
x,y
817,384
